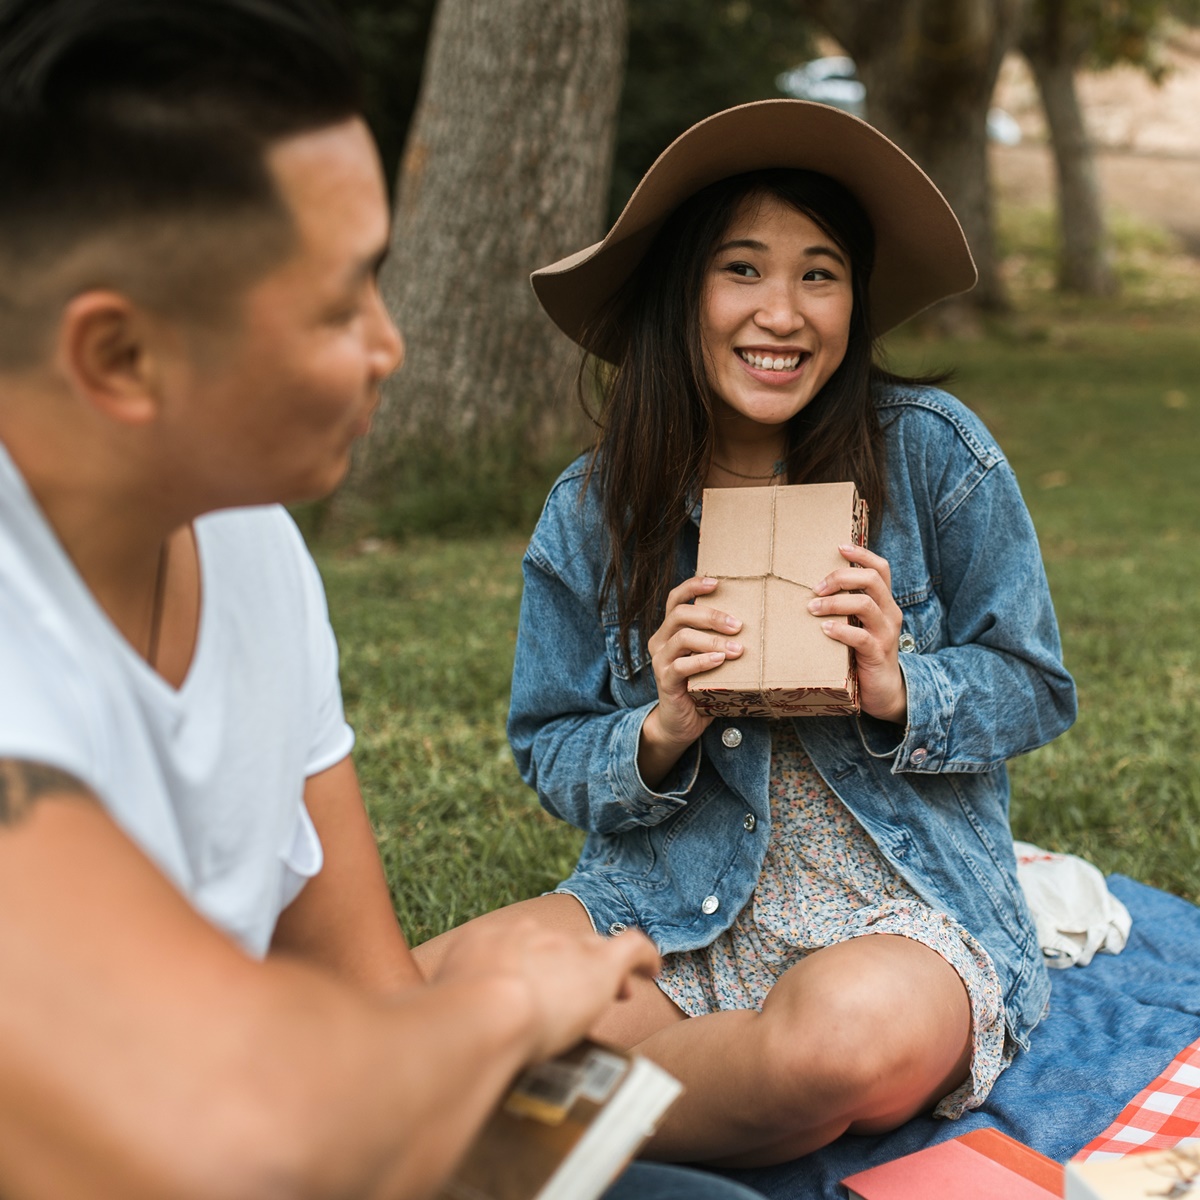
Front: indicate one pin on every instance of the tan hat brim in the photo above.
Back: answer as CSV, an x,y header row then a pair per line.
x,y
921,254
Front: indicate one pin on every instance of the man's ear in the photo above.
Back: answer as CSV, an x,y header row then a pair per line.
x,y
112,353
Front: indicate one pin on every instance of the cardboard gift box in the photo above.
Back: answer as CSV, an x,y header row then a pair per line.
x,y
768,547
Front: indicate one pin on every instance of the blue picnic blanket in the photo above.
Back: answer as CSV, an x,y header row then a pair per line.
x,y
1112,1027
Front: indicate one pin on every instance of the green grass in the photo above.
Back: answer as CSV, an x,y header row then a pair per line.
x,y
427,632
1098,408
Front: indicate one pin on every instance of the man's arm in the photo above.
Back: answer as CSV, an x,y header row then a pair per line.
x,y
343,919
144,1055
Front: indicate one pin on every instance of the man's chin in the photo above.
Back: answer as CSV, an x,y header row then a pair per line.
x,y
317,488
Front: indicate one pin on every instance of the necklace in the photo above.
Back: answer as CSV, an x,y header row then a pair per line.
x,y
776,471
156,611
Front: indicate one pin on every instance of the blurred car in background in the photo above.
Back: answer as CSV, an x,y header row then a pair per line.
x,y
831,80
834,80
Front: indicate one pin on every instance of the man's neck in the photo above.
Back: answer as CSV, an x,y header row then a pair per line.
x,y
114,523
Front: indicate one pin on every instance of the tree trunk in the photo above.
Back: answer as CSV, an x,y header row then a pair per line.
x,y
930,67
506,168
1054,52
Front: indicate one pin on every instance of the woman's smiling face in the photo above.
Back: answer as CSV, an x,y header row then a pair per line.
x,y
775,316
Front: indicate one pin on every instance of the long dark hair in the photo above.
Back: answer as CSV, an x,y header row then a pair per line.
x,y
655,411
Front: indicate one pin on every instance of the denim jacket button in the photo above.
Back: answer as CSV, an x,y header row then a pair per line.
x,y
732,738
918,756
907,643
709,905
615,928
748,822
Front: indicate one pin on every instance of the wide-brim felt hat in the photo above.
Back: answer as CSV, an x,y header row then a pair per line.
x,y
921,253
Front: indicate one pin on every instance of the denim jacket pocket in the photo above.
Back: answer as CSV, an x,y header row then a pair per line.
x,y
632,682
657,857
631,854
923,618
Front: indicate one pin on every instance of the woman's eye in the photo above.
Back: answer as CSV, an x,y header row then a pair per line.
x,y
745,270
818,274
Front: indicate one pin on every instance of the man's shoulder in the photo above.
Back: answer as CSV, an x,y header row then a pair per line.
x,y
48,699
256,553
268,526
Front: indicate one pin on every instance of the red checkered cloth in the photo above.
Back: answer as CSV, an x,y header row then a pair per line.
x,y
1160,1116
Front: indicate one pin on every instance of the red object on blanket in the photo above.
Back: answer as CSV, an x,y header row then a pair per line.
x,y
1160,1116
984,1164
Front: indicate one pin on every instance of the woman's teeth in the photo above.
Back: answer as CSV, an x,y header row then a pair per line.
x,y
767,363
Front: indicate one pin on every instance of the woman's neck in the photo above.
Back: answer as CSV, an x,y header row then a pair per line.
x,y
748,462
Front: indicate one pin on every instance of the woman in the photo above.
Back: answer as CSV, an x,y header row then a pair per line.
x,y
836,898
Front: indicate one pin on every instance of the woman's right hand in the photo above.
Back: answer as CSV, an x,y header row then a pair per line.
x,y
693,638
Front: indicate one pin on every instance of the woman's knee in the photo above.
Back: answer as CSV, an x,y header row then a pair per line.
x,y
821,1069
856,1036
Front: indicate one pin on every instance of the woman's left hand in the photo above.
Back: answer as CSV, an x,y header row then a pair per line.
x,y
864,591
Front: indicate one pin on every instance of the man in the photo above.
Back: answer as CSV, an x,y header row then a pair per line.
x,y
203,990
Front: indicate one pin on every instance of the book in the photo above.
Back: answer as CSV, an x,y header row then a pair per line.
x,y
566,1128
984,1164
1143,1173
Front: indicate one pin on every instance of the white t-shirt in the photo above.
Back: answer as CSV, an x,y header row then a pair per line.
x,y
207,780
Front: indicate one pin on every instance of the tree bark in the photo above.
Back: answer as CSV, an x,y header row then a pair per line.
x,y
930,67
1054,51
506,168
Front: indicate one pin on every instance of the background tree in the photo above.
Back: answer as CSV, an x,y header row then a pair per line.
x,y
930,67
505,167
691,58
1056,40
1060,38
391,37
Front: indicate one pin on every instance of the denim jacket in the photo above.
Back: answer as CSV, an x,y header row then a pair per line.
x,y
985,681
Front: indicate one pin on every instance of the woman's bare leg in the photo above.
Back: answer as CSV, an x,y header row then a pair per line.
x,y
860,1036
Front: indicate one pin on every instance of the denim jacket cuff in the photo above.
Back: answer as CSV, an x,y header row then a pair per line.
x,y
926,736
630,789
880,739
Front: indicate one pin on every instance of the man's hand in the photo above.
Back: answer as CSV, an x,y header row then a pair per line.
x,y
566,978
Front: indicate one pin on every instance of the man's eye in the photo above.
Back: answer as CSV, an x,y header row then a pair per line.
x,y
346,312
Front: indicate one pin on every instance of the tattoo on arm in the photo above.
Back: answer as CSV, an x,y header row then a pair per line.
x,y
23,783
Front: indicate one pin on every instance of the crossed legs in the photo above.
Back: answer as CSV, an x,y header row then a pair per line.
x,y
858,1037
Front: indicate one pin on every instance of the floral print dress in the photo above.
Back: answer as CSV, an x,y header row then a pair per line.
x,y
824,881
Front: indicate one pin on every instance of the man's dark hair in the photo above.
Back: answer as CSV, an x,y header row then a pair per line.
x,y
137,120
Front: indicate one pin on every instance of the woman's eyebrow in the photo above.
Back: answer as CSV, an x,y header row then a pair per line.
x,y
742,244
763,248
